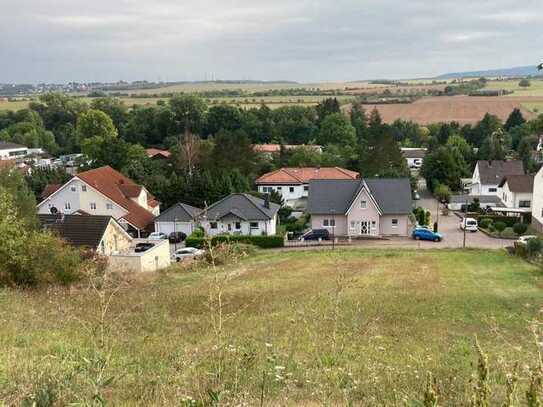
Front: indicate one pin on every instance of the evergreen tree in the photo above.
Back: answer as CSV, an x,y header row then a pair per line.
x,y
515,119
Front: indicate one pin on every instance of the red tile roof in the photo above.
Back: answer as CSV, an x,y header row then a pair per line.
x,y
275,148
305,174
49,189
119,189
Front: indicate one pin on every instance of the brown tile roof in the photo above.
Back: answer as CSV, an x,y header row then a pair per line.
x,y
153,152
519,183
492,172
119,189
49,189
305,174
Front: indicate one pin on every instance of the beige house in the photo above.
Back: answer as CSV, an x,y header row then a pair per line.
x,y
371,207
102,234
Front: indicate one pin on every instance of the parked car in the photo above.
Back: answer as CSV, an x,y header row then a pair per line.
x,y
187,253
157,236
143,247
316,234
523,240
426,234
469,224
177,237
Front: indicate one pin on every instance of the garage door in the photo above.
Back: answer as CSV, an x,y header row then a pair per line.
x,y
168,227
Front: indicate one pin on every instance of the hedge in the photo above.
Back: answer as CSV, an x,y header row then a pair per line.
x,y
508,220
264,242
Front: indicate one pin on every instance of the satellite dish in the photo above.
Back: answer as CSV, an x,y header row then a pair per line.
x,y
53,210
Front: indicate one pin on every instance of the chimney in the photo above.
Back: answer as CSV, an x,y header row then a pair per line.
x,y
267,201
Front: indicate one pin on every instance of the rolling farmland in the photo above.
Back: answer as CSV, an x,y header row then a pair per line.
x,y
462,109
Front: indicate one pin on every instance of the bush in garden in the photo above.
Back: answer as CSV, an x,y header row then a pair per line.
x,y
520,228
485,223
500,227
534,246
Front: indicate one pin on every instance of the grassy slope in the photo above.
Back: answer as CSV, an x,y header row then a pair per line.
x,y
346,326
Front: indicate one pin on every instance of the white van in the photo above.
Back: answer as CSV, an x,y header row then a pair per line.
x,y
469,224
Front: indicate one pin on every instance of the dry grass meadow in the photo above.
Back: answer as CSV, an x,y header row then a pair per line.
x,y
344,327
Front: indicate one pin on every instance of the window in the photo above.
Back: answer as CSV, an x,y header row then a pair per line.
x,y
93,206
373,225
524,204
238,225
492,189
84,188
73,188
306,188
291,190
109,206
213,225
364,204
353,224
394,223
254,225
329,223
67,205
279,188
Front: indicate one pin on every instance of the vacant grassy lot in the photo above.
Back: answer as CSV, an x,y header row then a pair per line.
x,y
309,328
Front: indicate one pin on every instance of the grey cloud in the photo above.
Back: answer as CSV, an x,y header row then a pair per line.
x,y
61,40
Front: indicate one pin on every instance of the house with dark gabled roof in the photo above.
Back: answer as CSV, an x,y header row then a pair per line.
x,y
488,175
240,214
178,218
106,192
102,234
517,192
363,207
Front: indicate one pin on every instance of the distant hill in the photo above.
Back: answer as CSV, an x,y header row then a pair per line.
x,y
514,72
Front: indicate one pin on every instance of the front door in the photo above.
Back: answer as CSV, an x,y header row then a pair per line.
x,y
365,227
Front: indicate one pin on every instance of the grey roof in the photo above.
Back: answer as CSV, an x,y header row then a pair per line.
x,y
6,145
492,172
393,195
244,206
180,212
78,230
483,199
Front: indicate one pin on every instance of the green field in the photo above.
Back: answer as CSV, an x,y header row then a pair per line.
x,y
344,327
536,88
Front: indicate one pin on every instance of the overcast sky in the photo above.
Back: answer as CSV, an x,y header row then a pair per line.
x,y
303,40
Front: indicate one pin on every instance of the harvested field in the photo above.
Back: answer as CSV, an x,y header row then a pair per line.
x,y
462,109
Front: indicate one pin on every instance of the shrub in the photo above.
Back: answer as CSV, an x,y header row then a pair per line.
x,y
520,228
485,223
524,83
508,220
500,226
534,246
264,242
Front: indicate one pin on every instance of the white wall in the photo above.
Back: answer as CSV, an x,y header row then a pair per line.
x,y
264,227
168,227
512,199
80,200
13,153
285,191
537,201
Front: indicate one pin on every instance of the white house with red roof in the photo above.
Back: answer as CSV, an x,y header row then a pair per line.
x,y
103,191
293,183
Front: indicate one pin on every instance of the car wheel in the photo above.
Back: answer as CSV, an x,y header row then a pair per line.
x,y
417,237
437,239
177,259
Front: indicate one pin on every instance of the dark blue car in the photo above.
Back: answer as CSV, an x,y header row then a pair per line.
x,y
426,234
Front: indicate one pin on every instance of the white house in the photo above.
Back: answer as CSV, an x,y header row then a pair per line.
x,y
103,191
293,183
361,208
537,202
240,214
10,151
179,218
517,192
414,156
488,175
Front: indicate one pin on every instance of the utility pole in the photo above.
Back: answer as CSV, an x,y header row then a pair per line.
x,y
175,234
333,230
464,224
